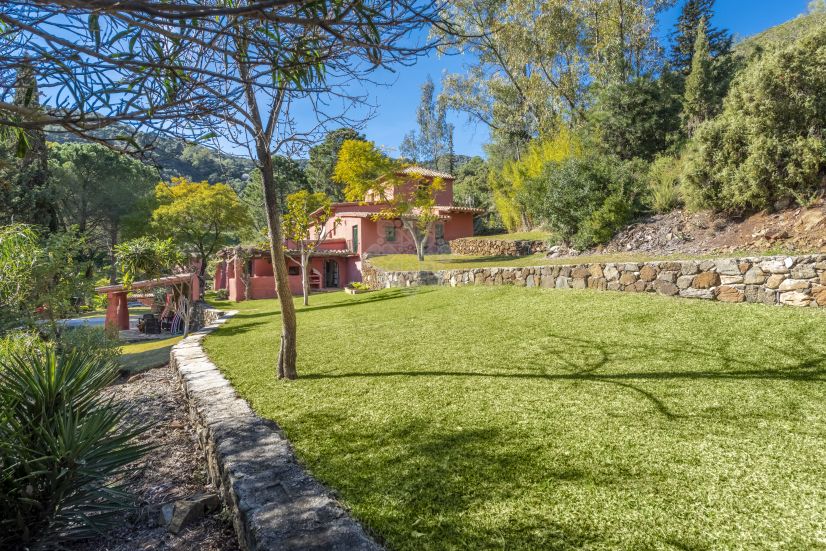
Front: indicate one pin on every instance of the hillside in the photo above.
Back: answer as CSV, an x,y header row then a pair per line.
x,y
176,158
780,35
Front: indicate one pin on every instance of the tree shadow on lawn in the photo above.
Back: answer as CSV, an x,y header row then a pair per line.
x,y
584,360
454,482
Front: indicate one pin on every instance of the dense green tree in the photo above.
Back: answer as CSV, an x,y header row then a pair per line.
x,y
98,189
290,177
699,102
200,217
471,187
25,194
639,118
432,144
684,37
322,162
585,199
768,143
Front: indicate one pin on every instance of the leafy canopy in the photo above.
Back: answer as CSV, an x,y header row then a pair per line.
x,y
198,216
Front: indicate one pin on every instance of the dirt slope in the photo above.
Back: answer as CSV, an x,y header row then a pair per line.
x,y
800,230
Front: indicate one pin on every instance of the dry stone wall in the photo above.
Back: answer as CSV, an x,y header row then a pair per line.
x,y
791,281
496,247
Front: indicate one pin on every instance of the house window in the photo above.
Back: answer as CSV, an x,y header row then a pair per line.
x,y
293,270
440,231
390,233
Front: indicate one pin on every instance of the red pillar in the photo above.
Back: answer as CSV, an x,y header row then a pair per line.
x,y
117,312
123,311
195,286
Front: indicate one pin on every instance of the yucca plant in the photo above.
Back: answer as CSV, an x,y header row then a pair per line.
x,y
63,449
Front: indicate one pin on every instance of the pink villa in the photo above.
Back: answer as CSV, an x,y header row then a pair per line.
x,y
248,273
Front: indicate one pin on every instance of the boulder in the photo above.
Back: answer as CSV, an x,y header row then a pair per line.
x,y
580,283
689,268
804,271
596,270
668,275
706,280
628,278
731,279
684,282
648,273
727,293
580,272
774,267
666,287
563,282
697,293
793,285
774,281
795,298
754,276
727,267
610,272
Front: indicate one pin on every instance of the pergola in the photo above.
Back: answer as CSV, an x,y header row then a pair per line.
x,y
117,311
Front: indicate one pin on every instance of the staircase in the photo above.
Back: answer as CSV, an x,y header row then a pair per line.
x,y
315,279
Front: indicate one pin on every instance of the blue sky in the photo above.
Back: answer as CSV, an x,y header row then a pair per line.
x,y
397,101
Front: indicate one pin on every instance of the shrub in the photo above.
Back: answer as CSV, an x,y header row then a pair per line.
x,y
93,341
586,200
604,222
769,143
221,294
664,193
63,448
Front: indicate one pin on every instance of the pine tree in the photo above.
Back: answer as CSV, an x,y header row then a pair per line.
x,y
699,98
27,196
685,35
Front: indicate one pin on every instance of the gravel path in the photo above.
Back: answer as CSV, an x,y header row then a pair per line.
x,y
175,469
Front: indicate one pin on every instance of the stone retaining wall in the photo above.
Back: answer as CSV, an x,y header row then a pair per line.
x,y
792,281
274,503
496,247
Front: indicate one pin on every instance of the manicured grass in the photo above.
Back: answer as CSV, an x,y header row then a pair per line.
x,y
517,236
140,356
512,418
434,262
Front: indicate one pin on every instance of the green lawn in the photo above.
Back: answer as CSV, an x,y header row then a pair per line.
x,y
434,262
140,356
512,418
517,236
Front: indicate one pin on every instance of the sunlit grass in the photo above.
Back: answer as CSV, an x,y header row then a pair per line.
x,y
512,418
140,356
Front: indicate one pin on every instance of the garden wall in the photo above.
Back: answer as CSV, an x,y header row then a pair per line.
x,y
496,247
793,281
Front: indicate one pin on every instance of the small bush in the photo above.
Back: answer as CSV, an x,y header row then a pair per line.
x,y
93,341
664,194
221,294
63,447
604,222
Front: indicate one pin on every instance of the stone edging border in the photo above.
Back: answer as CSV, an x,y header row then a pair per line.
x,y
274,502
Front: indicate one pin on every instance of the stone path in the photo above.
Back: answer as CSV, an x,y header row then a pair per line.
x,y
275,503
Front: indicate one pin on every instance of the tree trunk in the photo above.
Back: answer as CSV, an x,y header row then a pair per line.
x,y
305,277
202,277
286,368
419,237
113,263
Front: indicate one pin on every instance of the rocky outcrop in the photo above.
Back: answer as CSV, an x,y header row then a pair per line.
x,y
475,246
785,280
274,502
